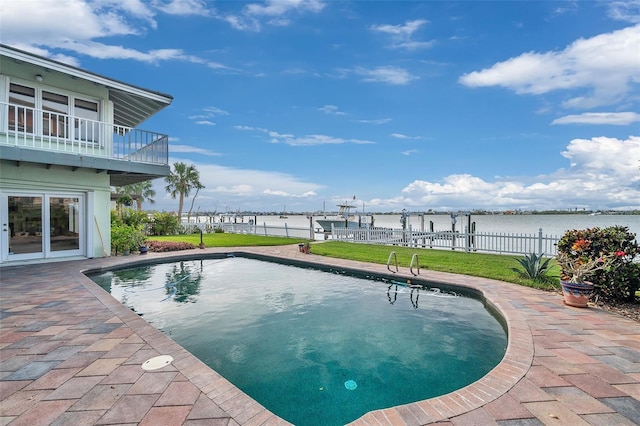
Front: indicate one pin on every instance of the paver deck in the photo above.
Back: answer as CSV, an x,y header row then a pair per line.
x,y
70,354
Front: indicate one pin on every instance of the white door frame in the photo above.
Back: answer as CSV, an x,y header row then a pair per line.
x,y
46,253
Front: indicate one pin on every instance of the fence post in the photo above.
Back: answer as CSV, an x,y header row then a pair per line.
x,y
540,241
431,237
467,239
264,224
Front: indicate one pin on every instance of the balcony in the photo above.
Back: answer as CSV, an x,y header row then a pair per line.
x,y
35,135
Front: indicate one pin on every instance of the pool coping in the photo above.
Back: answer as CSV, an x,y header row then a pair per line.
x,y
513,366
471,402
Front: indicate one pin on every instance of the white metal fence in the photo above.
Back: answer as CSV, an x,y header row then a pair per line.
x,y
502,243
249,228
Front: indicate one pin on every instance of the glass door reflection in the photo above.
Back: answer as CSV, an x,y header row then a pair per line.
x,y
25,225
64,224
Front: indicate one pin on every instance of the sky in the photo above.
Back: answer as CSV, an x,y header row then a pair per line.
x,y
299,105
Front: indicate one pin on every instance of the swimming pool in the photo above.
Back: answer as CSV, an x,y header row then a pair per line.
x,y
315,347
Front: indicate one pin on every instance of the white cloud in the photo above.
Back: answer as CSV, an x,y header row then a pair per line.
x,y
624,10
603,67
603,172
237,188
272,12
405,30
192,149
611,118
386,74
619,159
409,152
375,121
278,8
308,140
183,7
311,140
331,110
207,114
39,26
401,35
41,22
402,136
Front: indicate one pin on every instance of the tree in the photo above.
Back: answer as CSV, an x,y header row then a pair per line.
x,y
140,192
198,188
181,181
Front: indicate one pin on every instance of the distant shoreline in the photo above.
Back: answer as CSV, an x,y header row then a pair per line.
x,y
473,213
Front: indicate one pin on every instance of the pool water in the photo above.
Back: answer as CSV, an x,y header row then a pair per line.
x,y
315,347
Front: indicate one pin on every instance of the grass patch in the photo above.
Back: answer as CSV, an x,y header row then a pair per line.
x,y
484,265
229,240
494,266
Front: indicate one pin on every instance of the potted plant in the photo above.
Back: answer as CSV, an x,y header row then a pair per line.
x,y
575,268
138,236
306,248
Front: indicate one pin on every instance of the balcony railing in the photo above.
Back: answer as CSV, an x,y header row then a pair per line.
x,y
32,128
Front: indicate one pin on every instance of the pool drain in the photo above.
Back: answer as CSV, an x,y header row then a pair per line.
x,y
157,362
350,384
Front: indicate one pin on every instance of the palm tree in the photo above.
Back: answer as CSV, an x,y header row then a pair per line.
x,y
140,192
181,181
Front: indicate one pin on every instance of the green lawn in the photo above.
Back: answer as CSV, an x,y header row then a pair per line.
x,y
230,240
493,266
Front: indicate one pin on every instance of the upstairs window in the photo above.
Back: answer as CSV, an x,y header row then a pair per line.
x,y
55,115
86,121
22,101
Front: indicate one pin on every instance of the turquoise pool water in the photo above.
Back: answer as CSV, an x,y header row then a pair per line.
x,y
315,347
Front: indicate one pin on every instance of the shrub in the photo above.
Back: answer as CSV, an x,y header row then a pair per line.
x,y
620,279
134,217
126,237
164,223
115,218
165,246
534,267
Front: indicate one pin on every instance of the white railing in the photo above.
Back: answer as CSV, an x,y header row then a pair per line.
x,y
487,242
503,243
33,128
248,228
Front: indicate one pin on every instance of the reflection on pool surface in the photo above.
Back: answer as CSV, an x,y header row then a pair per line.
x,y
315,347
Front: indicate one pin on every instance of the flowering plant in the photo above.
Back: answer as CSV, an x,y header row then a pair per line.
x,y
576,265
616,252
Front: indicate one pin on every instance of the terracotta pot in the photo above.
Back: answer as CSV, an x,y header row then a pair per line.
x,y
576,294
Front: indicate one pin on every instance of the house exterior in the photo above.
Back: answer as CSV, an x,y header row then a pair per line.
x,y
66,136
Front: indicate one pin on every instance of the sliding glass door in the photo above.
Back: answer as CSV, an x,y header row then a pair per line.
x,y
42,225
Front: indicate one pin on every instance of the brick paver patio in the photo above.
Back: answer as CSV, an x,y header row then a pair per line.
x,y
70,354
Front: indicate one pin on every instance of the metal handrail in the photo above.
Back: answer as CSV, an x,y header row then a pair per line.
x,y
392,254
414,258
34,128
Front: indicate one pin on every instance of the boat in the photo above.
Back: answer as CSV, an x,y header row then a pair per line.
x,y
344,218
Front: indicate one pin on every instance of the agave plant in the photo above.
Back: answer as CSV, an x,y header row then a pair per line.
x,y
535,267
